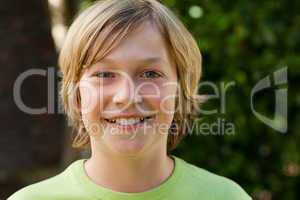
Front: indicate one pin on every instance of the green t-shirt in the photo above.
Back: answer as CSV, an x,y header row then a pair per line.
x,y
187,182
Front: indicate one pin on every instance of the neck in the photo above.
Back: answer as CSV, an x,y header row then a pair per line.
x,y
129,174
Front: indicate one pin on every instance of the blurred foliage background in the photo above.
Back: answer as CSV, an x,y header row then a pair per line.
x,y
241,42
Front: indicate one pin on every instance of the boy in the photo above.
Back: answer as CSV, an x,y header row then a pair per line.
x,y
130,73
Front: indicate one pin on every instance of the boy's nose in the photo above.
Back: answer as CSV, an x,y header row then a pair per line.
x,y
126,94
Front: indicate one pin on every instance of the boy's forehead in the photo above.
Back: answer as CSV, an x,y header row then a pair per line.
x,y
144,44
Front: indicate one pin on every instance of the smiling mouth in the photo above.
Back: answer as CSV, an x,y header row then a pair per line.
x,y
129,121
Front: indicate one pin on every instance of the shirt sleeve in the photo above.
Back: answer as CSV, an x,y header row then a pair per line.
x,y
232,191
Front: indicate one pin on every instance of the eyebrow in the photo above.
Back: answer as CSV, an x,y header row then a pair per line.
x,y
149,60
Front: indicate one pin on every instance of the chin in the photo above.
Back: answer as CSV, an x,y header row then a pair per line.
x,y
126,144
129,147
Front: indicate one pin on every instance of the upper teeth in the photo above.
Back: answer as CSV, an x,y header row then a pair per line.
x,y
126,121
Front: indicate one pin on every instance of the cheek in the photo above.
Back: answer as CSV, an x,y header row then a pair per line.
x,y
167,99
162,98
91,100
166,108
167,104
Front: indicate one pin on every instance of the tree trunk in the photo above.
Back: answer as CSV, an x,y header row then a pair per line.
x,y
28,142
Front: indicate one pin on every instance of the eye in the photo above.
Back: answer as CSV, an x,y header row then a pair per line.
x,y
152,74
104,74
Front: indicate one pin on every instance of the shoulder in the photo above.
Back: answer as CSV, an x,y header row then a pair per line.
x,y
215,186
34,191
47,189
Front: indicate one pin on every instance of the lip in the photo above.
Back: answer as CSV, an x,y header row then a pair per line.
x,y
128,115
132,127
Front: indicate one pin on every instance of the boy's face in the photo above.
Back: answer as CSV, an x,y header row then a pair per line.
x,y
135,80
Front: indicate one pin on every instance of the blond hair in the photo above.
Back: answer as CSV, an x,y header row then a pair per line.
x,y
108,22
